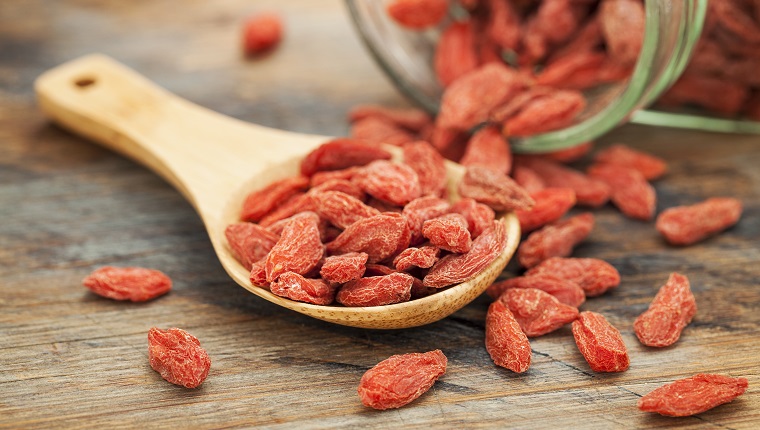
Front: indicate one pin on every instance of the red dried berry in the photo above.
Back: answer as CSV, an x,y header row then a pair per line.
x,y
342,185
299,202
410,118
558,20
648,165
479,216
258,274
568,155
299,248
376,131
376,290
457,268
566,291
505,341
555,240
263,201
503,26
341,153
295,287
551,205
261,33
178,357
669,313
455,53
448,232
685,225
494,189
390,182
400,379
341,209
631,192
563,69
600,343
593,275
320,178
717,94
537,312
249,242
548,113
381,237
588,191
418,14
622,23
422,209
135,284
449,142
424,257
429,166
691,396
528,179
510,108
343,268
488,148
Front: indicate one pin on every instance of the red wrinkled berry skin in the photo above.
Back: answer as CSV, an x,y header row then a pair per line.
x,y
537,312
400,379
685,225
551,205
343,268
261,33
376,290
418,14
669,313
295,287
648,165
135,284
340,185
564,290
339,154
505,341
455,53
299,202
390,182
424,257
376,130
422,209
178,357
595,276
258,274
429,166
691,396
457,268
479,216
555,240
528,179
488,148
408,118
448,232
299,249
622,23
552,112
261,202
249,242
381,237
630,191
346,174
588,191
600,343
341,209
494,189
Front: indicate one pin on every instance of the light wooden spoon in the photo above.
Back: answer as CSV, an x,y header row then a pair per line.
x,y
215,161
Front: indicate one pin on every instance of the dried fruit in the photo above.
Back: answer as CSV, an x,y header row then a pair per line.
x,y
569,155
600,343
320,178
429,166
341,209
261,33
376,290
178,356
400,379
537,312
455,53
554,111
448,232
488,148
135,284
648,165
669,313
528,179
503,24
555,240
390,182
691,396
341,153
410,119
631,192
381,237
342,185
299,202
418,14
299,248
343,268
494,189
424,257
295,287
258,274
551,205
588,191
376,130
622,23
566,291
263,201
422,209
685,225
249,242
457,268
593,275
479,216
505,341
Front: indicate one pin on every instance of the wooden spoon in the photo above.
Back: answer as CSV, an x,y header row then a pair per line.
x,y
215,161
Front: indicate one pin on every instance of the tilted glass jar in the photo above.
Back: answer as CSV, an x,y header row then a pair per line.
x,y
672,30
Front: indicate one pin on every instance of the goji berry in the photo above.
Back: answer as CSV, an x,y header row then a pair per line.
x,y
488,148
263,201
400,379
135,284
691,396
457,268
261,33
648,165
554,111
528,179
341,209
588,38
280,225
178,356
376,290
669,313
299,248
455,53
383,206
493,189
424,257
511,107
563,69
320,178
249,242
566,291
409,118
299,202
296,287
557,20
381,237
555,240
341,153
595,276
258,274
479,216
376,130
449,142
342,185
537,312
343,268
429,166
710,92
622,23
505,341
685,225
600,343
418,14
631,192
551,205
588,191
448,232
390,182
534,44
568,155
503,25
422,209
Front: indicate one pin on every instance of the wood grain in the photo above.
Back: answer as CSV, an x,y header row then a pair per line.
x,y
71,359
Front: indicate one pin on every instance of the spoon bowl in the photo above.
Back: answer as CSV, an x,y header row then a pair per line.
x,y
215,161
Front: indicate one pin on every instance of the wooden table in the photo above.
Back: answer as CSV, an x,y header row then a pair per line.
x,y
69,358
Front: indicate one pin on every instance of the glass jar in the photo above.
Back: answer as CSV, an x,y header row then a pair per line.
x,y
671,32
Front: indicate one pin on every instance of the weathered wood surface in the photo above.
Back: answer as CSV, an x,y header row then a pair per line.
x,y
69,358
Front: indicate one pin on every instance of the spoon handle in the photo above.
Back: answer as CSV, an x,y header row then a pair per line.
x,y
203,154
